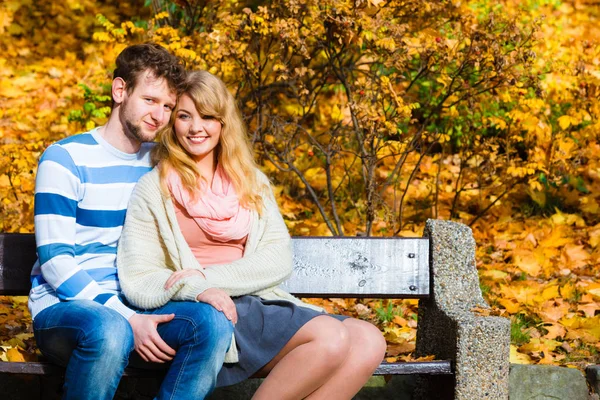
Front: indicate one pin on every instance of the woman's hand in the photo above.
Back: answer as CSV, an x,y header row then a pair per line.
x,y
221,301
177,275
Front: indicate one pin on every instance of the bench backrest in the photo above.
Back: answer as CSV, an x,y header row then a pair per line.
x,y
323,266
17,255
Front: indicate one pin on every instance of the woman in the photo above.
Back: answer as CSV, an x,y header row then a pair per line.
x,y
204,226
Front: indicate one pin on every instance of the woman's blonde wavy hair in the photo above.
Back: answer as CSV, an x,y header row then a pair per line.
x,y
234,153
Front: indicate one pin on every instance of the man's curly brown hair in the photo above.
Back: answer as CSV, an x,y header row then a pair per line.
x,y
134,60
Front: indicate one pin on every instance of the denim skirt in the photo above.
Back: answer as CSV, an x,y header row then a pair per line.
x,y
263,328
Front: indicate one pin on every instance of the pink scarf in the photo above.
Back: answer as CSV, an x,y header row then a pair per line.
x,y
217,209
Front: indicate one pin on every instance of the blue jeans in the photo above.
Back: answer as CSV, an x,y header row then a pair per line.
x,y
94,343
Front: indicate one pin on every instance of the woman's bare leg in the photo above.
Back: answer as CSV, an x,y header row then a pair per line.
x,y
367,349
307,361
325,359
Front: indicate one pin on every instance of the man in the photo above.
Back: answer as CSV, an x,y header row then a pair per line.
x,y
82,189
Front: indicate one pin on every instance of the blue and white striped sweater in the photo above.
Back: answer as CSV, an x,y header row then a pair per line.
x,y
82,189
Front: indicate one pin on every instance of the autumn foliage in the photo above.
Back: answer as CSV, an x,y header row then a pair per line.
x,y
370,117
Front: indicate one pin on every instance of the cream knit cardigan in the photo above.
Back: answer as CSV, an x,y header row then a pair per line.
x,y
152,247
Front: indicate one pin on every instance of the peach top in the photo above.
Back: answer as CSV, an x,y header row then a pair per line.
x,y
206,250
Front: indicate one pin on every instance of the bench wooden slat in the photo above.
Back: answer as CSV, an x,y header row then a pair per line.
x,y
360,267
323,267
31,368
47,368
402,368
438,367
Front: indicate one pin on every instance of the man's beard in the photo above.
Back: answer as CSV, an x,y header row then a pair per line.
x,y
131,130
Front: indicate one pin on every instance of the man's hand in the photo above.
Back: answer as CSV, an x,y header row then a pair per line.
x,y
175,276
148,342
221,301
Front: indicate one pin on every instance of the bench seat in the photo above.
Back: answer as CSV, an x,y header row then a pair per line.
x,y
401,368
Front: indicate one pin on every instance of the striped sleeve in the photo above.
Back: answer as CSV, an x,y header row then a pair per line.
x,y
57,192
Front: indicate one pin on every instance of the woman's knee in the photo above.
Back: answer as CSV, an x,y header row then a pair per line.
x,y
332,340
368,343
375,338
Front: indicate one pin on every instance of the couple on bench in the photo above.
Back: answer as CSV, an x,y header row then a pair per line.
x,y
202,248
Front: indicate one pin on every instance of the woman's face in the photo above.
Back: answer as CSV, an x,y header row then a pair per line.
x,y
198,134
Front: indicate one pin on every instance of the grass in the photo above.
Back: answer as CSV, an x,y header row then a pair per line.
x,y
519,329
386,313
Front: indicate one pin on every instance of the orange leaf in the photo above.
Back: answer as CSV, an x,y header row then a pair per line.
x,y
554,331
399,320
553,312
575,256
588,309
400,348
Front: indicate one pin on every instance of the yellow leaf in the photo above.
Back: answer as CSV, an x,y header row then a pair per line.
x,y
395,334
527,263
538,197
500,123
564,121
10,91
523,292
317,178
571,323
19,300
511,306
537,344
336,114
14,355
550,344
15,29
557,238
5,20
567,219
4,181
495,274
594,237
550,293
518,358
567,290
590,323
16,342
591,335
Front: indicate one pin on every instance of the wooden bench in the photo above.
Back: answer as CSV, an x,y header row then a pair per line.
x,y
471,350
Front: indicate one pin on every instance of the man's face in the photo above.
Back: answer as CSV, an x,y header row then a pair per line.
x,y
147,108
